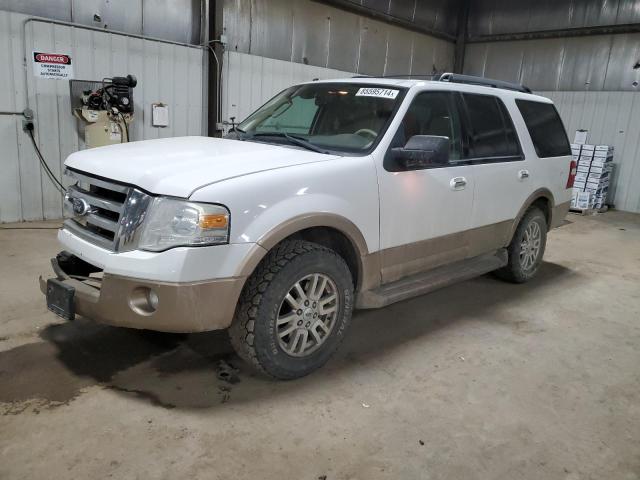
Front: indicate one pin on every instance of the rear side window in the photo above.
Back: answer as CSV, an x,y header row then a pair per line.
x,y
490,129
545,127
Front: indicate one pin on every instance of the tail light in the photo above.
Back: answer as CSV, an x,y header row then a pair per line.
x,y
573,169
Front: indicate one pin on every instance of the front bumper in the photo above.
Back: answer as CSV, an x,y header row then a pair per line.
x,y
181,307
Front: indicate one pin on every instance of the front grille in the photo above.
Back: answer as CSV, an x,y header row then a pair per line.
x,y
104,213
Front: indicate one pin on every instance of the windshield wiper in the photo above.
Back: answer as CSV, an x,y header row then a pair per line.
x,y
291,138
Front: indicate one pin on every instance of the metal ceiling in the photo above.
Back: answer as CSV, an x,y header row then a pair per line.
x,y
438,18
554,57
602,62
313,33
500,17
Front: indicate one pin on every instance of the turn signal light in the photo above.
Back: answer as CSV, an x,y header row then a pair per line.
x,y
208,222
573,170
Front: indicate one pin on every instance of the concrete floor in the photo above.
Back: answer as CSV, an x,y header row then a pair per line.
x,y
480,380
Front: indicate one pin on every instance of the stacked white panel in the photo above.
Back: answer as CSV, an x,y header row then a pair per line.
x,y
591,186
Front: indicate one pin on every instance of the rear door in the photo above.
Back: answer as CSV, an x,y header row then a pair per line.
x,y
502,175
424,214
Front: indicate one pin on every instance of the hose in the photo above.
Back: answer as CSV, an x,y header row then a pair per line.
x,y
43,163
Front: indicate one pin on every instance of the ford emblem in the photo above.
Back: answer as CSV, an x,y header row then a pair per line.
x,y
80,206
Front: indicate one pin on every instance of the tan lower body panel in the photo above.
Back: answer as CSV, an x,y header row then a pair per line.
x,y
558,214
406,260
436,278
182,307
397,263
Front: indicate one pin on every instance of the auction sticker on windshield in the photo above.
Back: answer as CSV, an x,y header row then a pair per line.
x,y
377,92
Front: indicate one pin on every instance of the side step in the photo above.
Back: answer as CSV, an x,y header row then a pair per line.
x,y
422,283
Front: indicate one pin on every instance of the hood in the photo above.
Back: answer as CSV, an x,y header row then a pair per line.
x,y
179,166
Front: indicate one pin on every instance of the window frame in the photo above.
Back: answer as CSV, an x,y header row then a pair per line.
x,y
454,105
467,129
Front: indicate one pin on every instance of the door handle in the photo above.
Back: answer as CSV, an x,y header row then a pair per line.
x,y
522,174
458,183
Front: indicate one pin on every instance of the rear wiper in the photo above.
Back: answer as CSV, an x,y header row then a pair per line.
x,y
292,139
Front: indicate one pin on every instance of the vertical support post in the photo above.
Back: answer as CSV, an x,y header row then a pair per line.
x,y
215,26
461,37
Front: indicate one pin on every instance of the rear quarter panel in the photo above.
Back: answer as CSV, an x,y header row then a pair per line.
x,y
546,173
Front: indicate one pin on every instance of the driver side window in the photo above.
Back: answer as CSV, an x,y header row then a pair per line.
x,y
432,113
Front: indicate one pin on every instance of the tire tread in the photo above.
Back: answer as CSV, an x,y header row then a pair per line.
x,y
241,331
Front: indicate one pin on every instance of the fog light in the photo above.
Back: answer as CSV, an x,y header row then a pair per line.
x,y
144,300
152,297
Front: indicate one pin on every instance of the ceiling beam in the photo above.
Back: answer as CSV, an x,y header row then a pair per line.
x,y
561,33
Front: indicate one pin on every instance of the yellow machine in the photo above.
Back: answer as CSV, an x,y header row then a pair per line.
x,y
102,127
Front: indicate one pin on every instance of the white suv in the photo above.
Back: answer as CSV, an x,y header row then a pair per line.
x,y
334,195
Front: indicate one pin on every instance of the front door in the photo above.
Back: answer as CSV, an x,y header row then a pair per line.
x,y
424,213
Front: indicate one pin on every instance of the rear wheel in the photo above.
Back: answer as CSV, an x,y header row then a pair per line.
x,y
294,310
526,248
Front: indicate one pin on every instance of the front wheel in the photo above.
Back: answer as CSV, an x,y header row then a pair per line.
x,y
526,248
294,310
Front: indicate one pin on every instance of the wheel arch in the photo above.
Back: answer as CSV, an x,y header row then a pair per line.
x,y
541,198
327,229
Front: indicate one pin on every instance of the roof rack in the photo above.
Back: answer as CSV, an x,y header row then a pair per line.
x,y
485,82
434,76
458,78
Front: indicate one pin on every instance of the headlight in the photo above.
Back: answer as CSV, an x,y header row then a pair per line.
x,y
173,223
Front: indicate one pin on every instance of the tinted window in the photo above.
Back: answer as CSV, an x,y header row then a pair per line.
x,y
490,130
432,113
545,127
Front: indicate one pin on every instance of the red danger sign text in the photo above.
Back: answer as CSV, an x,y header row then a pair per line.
x,y
52,58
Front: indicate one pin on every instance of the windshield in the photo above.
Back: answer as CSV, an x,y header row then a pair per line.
x,y
344,117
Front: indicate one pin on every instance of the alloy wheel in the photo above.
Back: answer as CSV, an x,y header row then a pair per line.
x,y
307,315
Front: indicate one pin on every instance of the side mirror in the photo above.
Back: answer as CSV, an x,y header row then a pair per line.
x,y
422,151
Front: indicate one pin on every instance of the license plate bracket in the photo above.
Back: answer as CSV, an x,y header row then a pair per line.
x,y
60,299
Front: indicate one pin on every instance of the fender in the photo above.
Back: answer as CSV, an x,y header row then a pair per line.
x,y
540,193
367,271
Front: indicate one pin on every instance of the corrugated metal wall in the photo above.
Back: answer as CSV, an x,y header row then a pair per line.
x,y
250,80
308,32
612,118
166,73
488,17
601,62
437,15
141,17
591,78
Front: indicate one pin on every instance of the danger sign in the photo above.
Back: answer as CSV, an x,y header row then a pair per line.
x,y
52,65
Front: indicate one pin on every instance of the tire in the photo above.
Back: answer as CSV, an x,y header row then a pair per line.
x,y
522,267
268,332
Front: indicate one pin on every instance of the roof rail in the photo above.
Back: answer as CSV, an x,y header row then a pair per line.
x,y
486,82
433,76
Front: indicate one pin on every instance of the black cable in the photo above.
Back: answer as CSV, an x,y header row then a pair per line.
x,y
126,127
44,165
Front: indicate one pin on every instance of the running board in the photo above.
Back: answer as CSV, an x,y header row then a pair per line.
x,y
422,283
